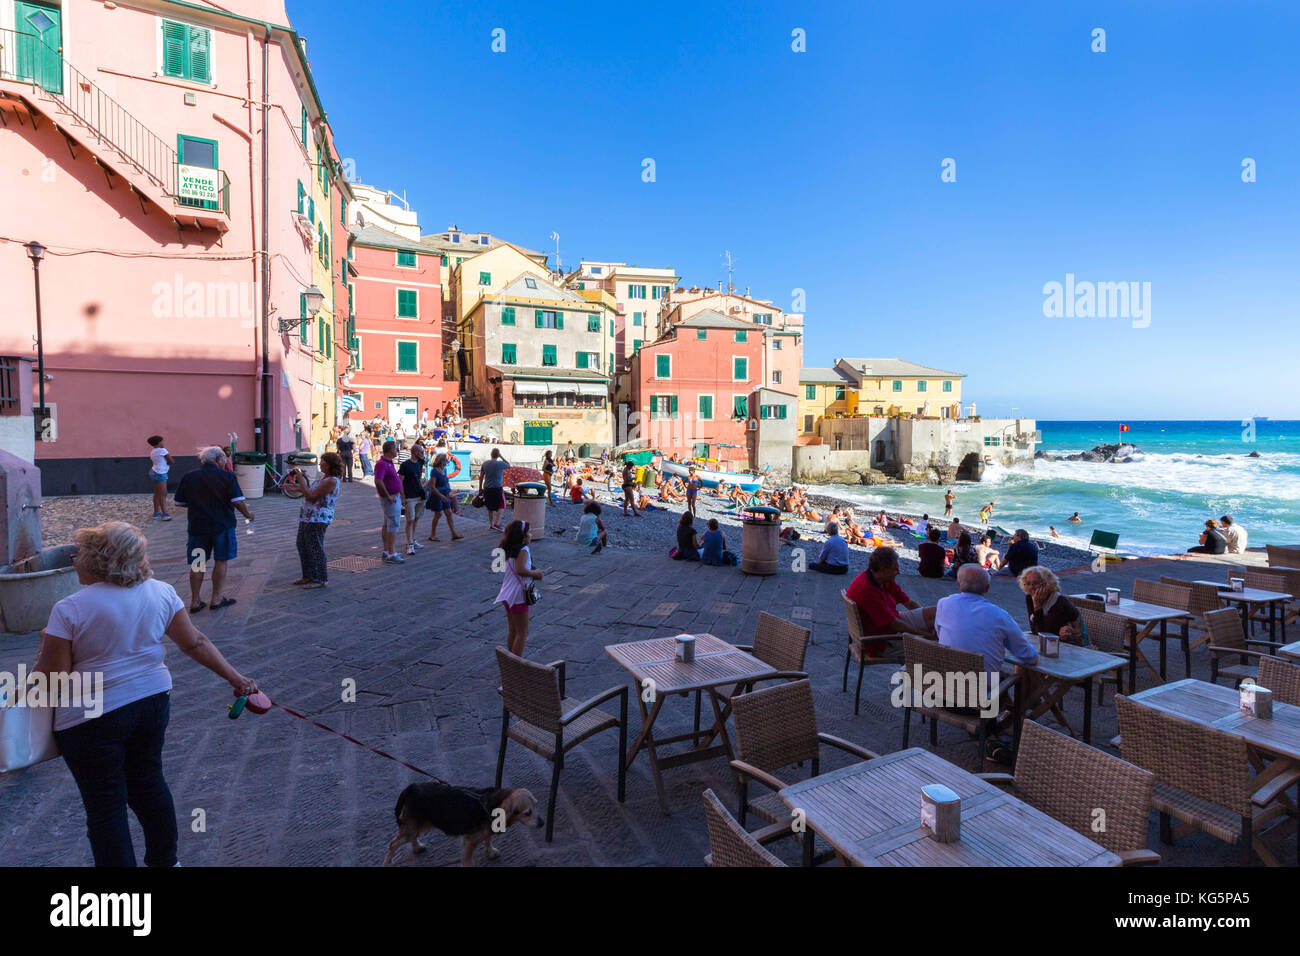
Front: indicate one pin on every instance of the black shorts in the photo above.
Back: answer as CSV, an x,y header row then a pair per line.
x,y
494,499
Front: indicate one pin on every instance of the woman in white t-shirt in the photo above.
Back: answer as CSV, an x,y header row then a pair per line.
x,y
107,638
160,464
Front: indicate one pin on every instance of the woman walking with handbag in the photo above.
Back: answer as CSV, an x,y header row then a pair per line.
x,y
441,501
518,592
114,627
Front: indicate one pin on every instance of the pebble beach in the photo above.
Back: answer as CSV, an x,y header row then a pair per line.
x,y
654,531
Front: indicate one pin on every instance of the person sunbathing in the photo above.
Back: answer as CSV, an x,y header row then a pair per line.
x,y
671,492
811,514
738,495
721,490
643,503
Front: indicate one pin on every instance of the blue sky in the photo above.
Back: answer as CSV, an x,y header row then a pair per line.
x,y
821,171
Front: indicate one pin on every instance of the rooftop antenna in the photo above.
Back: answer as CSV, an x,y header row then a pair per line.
x,y
731,270
556,237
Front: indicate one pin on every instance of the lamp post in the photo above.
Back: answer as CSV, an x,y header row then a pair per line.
x,y
36,252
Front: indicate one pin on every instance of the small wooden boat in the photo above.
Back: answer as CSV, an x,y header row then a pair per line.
x,y
712,471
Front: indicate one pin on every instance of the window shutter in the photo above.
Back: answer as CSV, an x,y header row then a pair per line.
x,y
302,194
508,315
311,208
559,320
539,318
581,360
672,405
200,57
173,48
302,314
304,126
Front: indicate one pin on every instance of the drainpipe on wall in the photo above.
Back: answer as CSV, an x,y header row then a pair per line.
x,y
262,427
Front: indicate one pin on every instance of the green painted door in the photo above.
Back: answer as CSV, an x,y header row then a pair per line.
x,y
537,434
40,44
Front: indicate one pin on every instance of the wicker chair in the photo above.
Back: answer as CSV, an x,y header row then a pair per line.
x,y
1177,596
777,727
729,844
931,656
1069,780
778,643
1108,633
549,723
1284,580
1228,639
1088,604
1204,598
892,655
1202,778
1283,556
1282,678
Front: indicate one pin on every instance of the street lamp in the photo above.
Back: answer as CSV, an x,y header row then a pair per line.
x,y
36,252
313,297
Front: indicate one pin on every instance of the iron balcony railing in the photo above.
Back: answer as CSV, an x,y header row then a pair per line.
x,y
187,190
24,57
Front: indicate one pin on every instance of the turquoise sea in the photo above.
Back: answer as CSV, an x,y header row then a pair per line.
x,y
1193,470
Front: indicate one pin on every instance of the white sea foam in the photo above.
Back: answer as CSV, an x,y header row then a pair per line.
x,y
1214,476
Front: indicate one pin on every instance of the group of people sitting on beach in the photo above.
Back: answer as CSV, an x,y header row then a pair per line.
x,y
1224,536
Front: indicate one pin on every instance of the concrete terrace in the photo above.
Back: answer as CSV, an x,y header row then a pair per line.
x,y
418,641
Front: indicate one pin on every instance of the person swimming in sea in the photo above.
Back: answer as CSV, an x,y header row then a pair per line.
x,y
1074,518
1052,528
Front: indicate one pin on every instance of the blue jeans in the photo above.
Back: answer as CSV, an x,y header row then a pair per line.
x,y
366,470
116,759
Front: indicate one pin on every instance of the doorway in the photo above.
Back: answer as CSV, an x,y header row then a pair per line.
x,y
403,410
40,44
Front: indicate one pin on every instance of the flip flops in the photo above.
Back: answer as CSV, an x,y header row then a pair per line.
x,y
198,607
225,602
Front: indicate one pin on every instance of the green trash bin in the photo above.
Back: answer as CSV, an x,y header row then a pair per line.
x,y
584,451
305,462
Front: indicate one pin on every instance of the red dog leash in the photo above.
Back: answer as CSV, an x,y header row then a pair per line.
x,y
374,750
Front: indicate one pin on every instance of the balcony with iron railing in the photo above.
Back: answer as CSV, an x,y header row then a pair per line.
x,y
103,125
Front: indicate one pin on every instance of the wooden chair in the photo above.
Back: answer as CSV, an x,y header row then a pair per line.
x,y
1282,678
1107,633
777,727
1283,556
1203,778
778,643
1228,639
891,655
1069,781
551,724
729,844
933,657
1177,596
1085,603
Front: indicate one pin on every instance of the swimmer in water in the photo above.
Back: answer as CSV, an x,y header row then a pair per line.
x,y
1074,518
1052,528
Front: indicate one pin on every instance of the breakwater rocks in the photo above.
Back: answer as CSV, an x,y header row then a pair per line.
x,y
1118,454
904,475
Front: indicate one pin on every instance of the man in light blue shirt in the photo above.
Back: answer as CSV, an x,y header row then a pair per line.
x,y
834,558
969,621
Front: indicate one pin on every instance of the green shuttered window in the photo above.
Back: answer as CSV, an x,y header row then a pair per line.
x,y
406,260
706,408
740,369
548,355
408,356
507,353
663,366
408,304
810,392
187,53
740,407
508,315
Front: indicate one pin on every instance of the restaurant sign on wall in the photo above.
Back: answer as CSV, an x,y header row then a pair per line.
x,y
541,423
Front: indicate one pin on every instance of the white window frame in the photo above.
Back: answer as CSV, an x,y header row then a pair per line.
x,y
748,411
397,298
733,368
776,376
669,376
159,68
397,253
397,354
713,401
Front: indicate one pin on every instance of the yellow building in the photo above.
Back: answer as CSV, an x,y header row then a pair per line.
x,y
891,386
823,392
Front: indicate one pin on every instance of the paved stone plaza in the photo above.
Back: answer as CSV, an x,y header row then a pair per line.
x,y
418,640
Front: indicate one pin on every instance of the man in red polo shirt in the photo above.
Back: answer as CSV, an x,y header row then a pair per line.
x,y
878,597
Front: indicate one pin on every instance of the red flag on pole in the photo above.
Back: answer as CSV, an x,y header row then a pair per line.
x,y
1123,428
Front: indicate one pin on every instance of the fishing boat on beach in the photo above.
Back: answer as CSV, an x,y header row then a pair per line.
x,y
711,471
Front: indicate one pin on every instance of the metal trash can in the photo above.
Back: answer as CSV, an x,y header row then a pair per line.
x,y
250,470
530,506
760,541
649,481
305,462
584,451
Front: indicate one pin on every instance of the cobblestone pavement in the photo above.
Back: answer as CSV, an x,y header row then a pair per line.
x,y
418,639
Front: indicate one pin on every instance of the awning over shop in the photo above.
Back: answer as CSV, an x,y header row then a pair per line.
x,y
529,388
586,388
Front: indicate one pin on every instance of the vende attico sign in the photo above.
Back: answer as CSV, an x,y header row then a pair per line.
x,y
198,182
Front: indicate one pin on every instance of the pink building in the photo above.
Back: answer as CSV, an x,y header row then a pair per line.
x,y
397,304
782,331
693,386
186,207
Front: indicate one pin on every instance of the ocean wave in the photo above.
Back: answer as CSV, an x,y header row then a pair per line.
x,y
1212,476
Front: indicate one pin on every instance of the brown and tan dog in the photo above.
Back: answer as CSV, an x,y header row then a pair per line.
x,y
475,814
